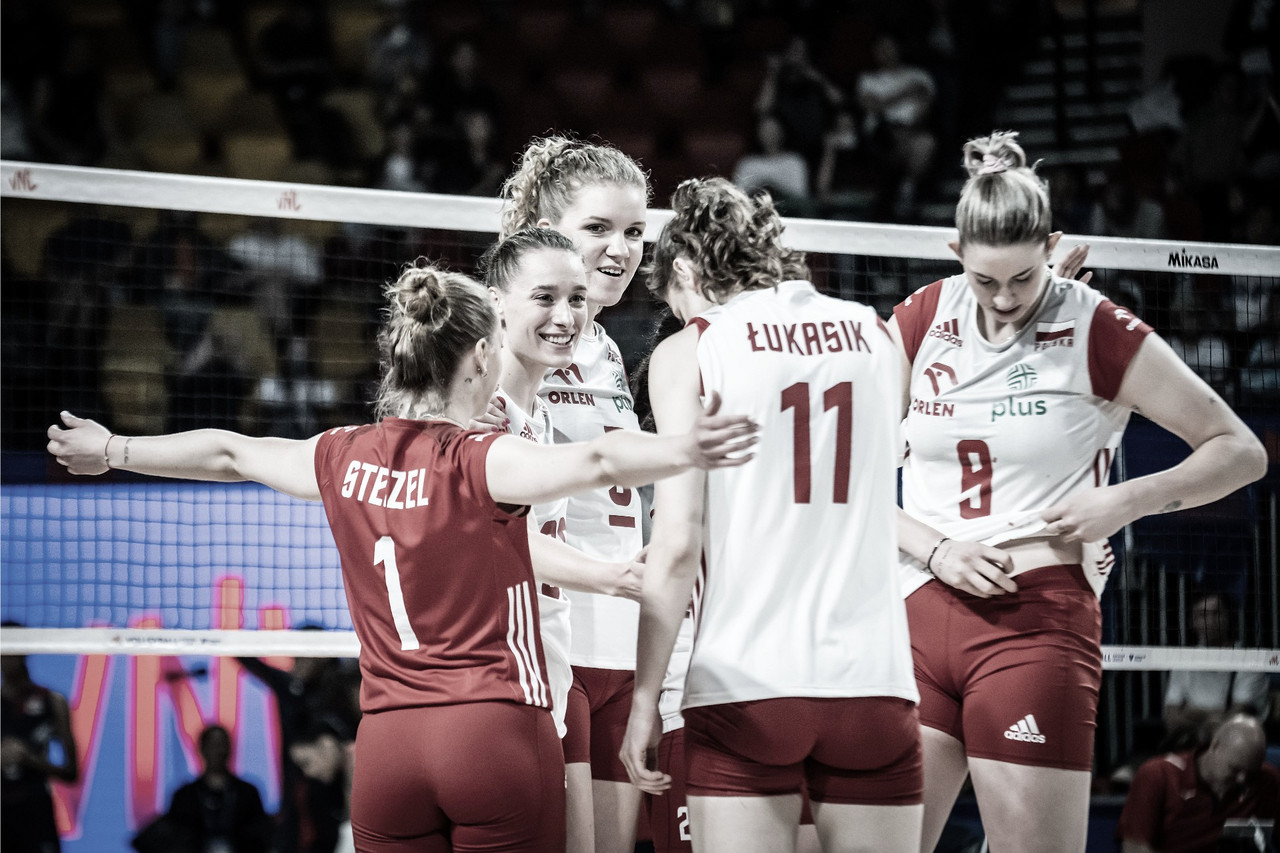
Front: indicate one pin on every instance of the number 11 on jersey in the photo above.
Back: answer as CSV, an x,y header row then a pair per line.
x,y
840,398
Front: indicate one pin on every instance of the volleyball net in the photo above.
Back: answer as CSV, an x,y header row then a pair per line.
x,y
158,302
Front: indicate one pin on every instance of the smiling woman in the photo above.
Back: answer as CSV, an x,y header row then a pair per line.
x,y
596,196
537,277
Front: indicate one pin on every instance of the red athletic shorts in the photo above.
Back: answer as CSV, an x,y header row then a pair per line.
x,y
668,813
483,776
596,720
1015,677
862,751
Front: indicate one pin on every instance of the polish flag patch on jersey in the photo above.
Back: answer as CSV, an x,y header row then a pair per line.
x,y
1061,334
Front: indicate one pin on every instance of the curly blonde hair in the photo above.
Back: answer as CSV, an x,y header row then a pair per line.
x,y
1004,202
733,240
552,170
433,318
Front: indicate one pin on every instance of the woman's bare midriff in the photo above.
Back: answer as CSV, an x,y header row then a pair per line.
x,y
1031,554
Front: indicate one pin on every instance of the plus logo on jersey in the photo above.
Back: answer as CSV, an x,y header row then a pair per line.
x,y
949,331
1019,378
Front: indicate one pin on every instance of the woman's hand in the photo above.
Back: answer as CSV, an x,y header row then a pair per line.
x,y
720,441
1071,264
973,568
1088,516
640,748
631,576
494,418
82,447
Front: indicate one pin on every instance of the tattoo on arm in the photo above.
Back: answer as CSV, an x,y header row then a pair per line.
x,y
1172,506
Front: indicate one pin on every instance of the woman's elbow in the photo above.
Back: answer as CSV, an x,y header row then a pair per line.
x,y
1253,461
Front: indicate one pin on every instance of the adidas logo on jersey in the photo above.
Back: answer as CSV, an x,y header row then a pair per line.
x,y
1025,730
949,331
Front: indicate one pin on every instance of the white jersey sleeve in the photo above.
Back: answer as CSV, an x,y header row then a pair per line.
x,y
553,606
587,399
797,595
997,433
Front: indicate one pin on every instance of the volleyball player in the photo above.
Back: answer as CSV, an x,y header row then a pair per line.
x,y
1020,384
667,813
597,196
800,673
455,749
540,285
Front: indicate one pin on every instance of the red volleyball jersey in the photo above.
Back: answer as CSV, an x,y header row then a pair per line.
x,y
437,575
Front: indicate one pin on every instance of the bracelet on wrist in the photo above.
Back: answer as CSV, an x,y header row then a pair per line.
x,y
928,564
106,452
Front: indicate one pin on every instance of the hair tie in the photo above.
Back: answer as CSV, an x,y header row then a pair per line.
x,y
992,165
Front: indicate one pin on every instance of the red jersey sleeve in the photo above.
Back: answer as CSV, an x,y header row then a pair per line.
x,y
1140,819
914,314
702,324
466,453
1114,338
326,447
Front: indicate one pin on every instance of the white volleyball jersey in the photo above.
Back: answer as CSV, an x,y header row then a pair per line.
x,y
796,595
587,399
549,520
997,433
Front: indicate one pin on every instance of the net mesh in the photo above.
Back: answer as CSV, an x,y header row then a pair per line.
x,y
164,302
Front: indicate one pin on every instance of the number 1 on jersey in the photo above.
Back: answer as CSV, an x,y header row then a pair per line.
x,y
840,398
384,551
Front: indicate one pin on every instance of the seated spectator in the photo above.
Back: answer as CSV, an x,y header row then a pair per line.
x,y
1260,378
1072,206
217,813
1212,151
781,172
844,187
70,123
15,136
1121,212
1195,698
1180,802
801,97
284,272
401,169
1201,333
470,166
398,48
461,86
897,101
184,271
293,52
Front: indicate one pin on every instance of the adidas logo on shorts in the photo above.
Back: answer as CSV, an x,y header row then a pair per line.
x,y
1025,730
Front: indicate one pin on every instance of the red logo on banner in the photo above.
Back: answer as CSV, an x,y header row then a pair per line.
x,y
288,201
21,181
